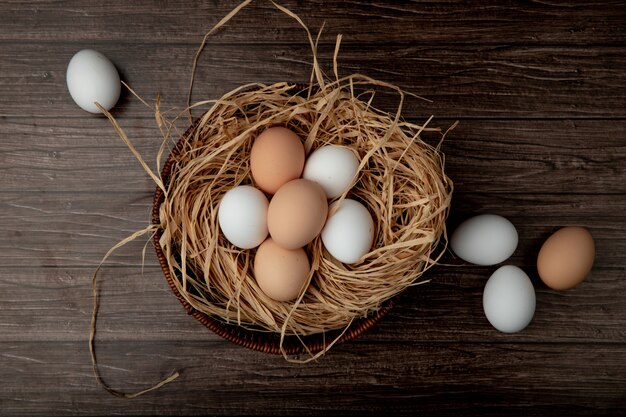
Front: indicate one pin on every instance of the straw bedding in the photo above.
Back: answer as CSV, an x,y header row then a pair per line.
x,y
401,181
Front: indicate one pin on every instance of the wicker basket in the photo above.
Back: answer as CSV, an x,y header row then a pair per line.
x,y
263,341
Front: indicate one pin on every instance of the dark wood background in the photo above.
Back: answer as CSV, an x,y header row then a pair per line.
x,y
540,92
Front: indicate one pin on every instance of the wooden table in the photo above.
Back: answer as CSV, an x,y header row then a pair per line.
x,y
540,92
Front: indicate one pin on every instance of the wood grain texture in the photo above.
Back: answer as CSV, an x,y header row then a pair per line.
x,y
357,379
540,90
502,156
390,21
495,81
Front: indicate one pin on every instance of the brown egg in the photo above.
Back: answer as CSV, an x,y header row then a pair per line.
x,y
297,213
281,273
277,157
566,258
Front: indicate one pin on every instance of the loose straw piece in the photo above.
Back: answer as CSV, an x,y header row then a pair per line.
x,y
219,24
316,67
94,319
335,55
122,135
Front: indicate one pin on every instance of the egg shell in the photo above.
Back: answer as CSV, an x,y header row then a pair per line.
x,y
297,213
242,216
333,167
486,239
349,231
566,258
280,273
91,78
509,299
277,157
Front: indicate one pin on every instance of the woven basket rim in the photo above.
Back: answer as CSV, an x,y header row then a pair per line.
x,y
267,342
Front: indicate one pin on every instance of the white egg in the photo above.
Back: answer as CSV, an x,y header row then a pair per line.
x,y
242,216
92,77
333,167
349,232
487,239
509,299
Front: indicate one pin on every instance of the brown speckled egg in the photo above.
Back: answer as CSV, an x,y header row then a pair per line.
x,y
297,213
276,157
566,258
281,273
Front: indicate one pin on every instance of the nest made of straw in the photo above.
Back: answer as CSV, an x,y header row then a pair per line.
x,y
401,181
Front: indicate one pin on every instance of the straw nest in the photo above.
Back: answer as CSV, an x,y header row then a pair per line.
x,y
401,181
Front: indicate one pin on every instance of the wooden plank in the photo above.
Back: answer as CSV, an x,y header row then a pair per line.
x,y
463,81
482,156
359,379
63,229
564,156
487,22
58,302
77,155
66,229
55,305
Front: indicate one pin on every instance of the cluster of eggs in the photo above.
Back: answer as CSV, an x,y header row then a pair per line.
x,y
298,212
564,261
289,203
